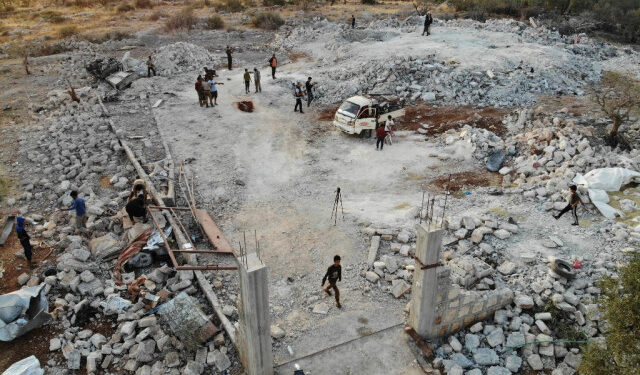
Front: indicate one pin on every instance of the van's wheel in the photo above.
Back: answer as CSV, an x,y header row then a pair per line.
x,y
562,268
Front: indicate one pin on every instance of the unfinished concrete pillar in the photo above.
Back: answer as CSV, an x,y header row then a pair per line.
x,y
254,336
424,292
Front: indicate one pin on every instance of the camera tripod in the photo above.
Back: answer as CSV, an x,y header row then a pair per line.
x,y
334,212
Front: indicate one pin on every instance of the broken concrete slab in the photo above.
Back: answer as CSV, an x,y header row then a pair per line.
x,y
373,250
183,316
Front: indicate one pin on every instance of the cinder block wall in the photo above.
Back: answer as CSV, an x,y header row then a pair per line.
x,y
456,309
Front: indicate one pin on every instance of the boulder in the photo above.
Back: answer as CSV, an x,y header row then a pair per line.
x,y
104,246
495,161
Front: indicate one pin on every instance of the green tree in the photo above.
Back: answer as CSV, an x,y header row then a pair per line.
x,y
620,304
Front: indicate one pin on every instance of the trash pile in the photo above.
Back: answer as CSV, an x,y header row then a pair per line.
x,y
182,57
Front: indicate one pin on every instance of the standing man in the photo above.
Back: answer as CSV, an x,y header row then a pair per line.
x,y
273,63
206,89
299,92
428,20
200,91
150,67
247,81
334,274
380,135
388,127
574,201
229,56
353,21
214,90
256,79
309,87
81,210
24,239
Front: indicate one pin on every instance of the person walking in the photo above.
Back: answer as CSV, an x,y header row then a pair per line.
x,y
24,239
334,274
256,79
150,67
353,21
388,127
574,201
273,63
247,81
380,135
298,92
200,91
214,90
80,207
229,59
309,87
206,89
428,20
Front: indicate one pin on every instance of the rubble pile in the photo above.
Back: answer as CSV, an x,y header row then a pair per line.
x,y
429,78
181,57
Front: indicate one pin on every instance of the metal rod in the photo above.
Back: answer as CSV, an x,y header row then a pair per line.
x,y
169,208
446,195
206,268
196,251
421,207
166,243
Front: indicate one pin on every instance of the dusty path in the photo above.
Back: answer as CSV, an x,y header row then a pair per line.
x,y
275,171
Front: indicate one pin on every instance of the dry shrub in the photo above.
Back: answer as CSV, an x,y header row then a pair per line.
x,y
268,21
107,36
156,15
185,19
52,16
215,22
269,3
232,6
125,7
143,4
67,31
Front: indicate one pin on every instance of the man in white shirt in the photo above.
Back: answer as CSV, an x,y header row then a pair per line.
x,y
214,91
388,127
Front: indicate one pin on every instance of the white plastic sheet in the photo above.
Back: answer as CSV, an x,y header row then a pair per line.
x,y
27,366
599,181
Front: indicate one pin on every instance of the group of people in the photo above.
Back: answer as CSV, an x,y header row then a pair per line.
x,y
300,91
384,132
206,87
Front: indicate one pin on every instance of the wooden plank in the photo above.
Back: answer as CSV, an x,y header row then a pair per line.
x,y
8,227
213,233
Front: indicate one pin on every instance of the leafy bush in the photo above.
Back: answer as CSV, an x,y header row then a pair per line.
x,y
185,19
215,22
142,4
620,304
125,7
368,2
67,31
232,6
268,21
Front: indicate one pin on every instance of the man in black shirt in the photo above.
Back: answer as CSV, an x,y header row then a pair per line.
x,y
334,274
574,201
309,87
428,20
353,21
136,208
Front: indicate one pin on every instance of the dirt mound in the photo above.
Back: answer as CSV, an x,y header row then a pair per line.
x,y
441,119
459,182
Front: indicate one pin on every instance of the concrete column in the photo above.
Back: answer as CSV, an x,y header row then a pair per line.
x,y
254,336
424,292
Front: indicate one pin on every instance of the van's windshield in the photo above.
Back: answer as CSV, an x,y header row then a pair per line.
x,y
349,109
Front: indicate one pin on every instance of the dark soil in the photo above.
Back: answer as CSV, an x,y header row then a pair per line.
x,y
441,119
